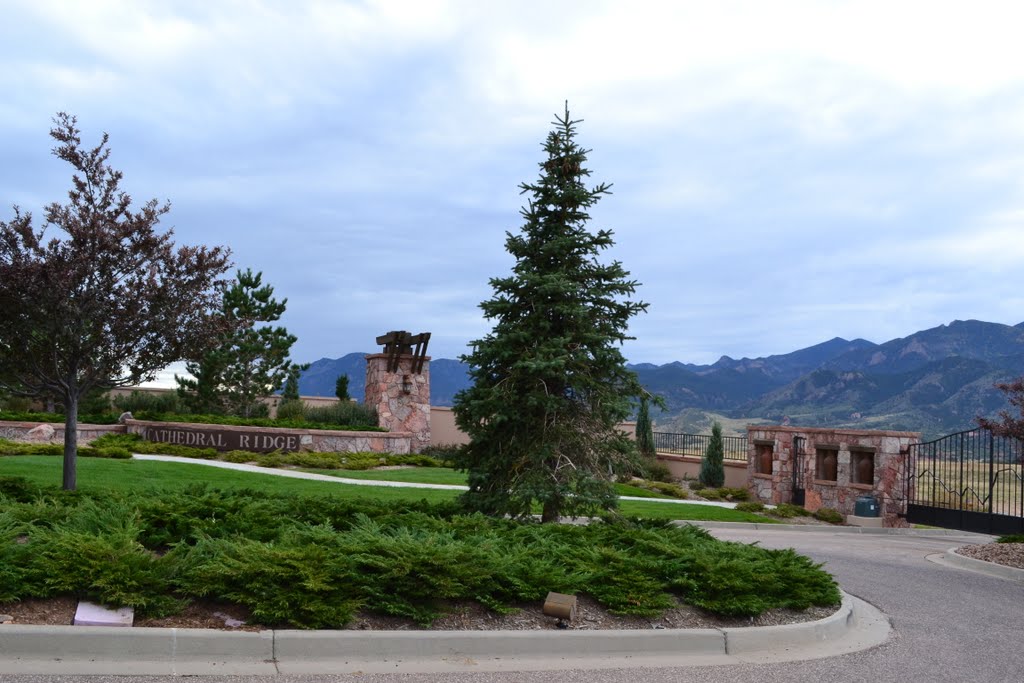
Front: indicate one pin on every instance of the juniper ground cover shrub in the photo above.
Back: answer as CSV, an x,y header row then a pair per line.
x,y
314,562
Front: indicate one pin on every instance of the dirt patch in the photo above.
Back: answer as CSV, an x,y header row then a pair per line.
x,y
459,616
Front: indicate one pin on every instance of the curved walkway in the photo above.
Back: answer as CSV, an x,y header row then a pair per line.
x,y
312,476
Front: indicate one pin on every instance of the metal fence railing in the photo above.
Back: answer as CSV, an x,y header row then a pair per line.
x,y
733,447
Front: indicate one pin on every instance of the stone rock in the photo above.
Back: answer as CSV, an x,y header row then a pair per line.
x,y
42,433
6,619
123,417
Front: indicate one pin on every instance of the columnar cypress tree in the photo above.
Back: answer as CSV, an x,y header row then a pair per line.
x,y
341,388
644,430
550,383
712,469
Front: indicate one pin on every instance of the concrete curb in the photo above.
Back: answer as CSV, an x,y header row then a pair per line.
x,y
952,559
830,529
155,651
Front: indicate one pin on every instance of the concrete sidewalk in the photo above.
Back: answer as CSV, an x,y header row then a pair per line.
x,y
156,651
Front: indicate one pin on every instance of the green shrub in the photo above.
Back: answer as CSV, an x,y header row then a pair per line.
x,y
139,401
57,418
710,494
750,506
655,470
96,554
346,413
667,489
18,489
695,484
313,561
443,452
788,511
734,494
291,410
1011,538
274,459
318,461
256,422
110,452
829,515
15,404
18,448
240,457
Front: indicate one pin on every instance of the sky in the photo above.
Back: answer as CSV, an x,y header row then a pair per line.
x,y
783,173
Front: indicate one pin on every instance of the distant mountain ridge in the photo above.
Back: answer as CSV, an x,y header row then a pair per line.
x,y
935,381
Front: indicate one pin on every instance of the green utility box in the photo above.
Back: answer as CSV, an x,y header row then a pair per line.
x,y
866,506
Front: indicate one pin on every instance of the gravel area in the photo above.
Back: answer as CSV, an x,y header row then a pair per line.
x,y
465,616
1009,554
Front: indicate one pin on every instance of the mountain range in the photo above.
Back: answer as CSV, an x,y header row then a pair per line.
x,y
934,381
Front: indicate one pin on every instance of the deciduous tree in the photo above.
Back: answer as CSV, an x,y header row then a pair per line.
x,y
550,383
1008,424
99,297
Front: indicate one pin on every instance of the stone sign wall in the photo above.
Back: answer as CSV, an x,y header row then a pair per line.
x,y
216,437
266,439
838,466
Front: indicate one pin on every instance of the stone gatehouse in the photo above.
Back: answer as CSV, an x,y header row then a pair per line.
x,y
829,467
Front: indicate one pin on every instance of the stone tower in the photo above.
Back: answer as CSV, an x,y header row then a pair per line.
x,y
398,385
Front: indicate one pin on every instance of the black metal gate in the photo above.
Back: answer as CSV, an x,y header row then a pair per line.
x,y
972,481
798,470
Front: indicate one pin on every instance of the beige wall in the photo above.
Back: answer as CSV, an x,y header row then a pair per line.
x,y
445,431
442,428
687,467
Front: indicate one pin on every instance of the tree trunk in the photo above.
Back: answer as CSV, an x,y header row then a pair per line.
x,y
550,513
70,442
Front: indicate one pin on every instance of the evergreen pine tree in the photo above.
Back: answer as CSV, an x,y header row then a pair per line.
x,y
291,385
550,383
712,468
252,360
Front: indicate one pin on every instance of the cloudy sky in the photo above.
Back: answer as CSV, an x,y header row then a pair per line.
x,y
783,172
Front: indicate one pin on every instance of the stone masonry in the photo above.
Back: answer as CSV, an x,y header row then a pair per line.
x,y
832,462
401,398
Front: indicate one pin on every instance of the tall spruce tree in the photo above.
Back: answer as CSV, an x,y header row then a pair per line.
x,y
550,383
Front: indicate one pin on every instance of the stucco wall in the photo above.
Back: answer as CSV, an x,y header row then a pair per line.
x,y
688,467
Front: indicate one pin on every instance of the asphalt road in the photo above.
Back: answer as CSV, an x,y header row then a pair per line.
x,y
949,625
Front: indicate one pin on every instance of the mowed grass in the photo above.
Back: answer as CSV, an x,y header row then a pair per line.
x,y
138,477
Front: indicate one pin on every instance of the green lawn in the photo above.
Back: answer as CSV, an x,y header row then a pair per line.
x,y
142,476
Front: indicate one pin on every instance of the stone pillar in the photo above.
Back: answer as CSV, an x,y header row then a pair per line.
x,y
401,398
